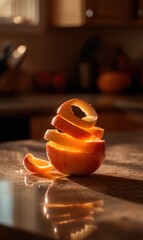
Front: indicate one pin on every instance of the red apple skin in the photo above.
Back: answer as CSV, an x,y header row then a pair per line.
x,y
32,167
75,162
75,131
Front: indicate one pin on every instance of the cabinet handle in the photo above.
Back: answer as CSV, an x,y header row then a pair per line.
x,y
89,13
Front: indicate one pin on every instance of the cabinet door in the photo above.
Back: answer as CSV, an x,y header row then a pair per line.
x,y
104,11
66,13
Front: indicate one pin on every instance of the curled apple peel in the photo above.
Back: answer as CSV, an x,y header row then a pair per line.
x,y
78,149
37,165
65,111
76,131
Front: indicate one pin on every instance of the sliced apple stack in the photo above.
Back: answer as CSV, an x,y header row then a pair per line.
x,y
78,149
75,147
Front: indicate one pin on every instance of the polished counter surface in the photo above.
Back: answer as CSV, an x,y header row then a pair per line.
x,y
27,105
105,205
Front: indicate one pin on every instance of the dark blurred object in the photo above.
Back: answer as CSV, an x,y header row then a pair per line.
x,y
112,82
135,9
137,76
120,61
42,81
10,61
87,68
47,81
4,55
59,82
14,128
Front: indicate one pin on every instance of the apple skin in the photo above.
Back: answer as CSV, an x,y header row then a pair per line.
x,y
65,111
75,131
66,141
75,162
36,165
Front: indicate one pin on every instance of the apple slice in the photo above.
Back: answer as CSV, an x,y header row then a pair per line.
x,y
75,131
72,143
71,129
65,111
75,162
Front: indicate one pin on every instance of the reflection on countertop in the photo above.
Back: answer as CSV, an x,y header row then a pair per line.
x,y
104,205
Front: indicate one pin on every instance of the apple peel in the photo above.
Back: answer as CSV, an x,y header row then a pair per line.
x,y
65,111
40,167
37,165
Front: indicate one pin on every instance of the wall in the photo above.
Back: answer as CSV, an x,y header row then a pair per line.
x,y
57,49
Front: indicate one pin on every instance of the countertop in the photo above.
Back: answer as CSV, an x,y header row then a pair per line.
x,y
105,205
36,104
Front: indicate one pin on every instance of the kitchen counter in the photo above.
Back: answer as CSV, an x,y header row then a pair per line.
x,y
105,205
38,104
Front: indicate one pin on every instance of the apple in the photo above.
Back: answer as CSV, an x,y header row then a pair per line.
x,y
75,162
77,150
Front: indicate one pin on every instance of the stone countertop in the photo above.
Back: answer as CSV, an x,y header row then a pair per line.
x,y
105,205
29,105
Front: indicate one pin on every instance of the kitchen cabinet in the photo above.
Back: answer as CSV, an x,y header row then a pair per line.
x,y
111,11
78,13
23,16
66,13
140,9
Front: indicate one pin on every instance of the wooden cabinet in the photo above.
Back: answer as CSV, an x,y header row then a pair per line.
x,y
77,13
111,11
66,13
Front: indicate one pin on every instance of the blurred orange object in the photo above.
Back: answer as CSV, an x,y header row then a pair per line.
x,y
113,82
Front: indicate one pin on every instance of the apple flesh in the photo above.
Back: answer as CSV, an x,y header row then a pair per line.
x,y
71,143
75,162
75,131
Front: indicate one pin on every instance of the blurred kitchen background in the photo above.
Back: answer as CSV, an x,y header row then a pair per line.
x,y
52,50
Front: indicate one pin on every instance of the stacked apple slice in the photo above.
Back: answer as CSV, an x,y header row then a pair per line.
x,y
75,147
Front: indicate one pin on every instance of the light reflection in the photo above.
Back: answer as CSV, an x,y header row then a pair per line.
x,y
19,51
70,219
18,19
20,171
6,203
65,207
